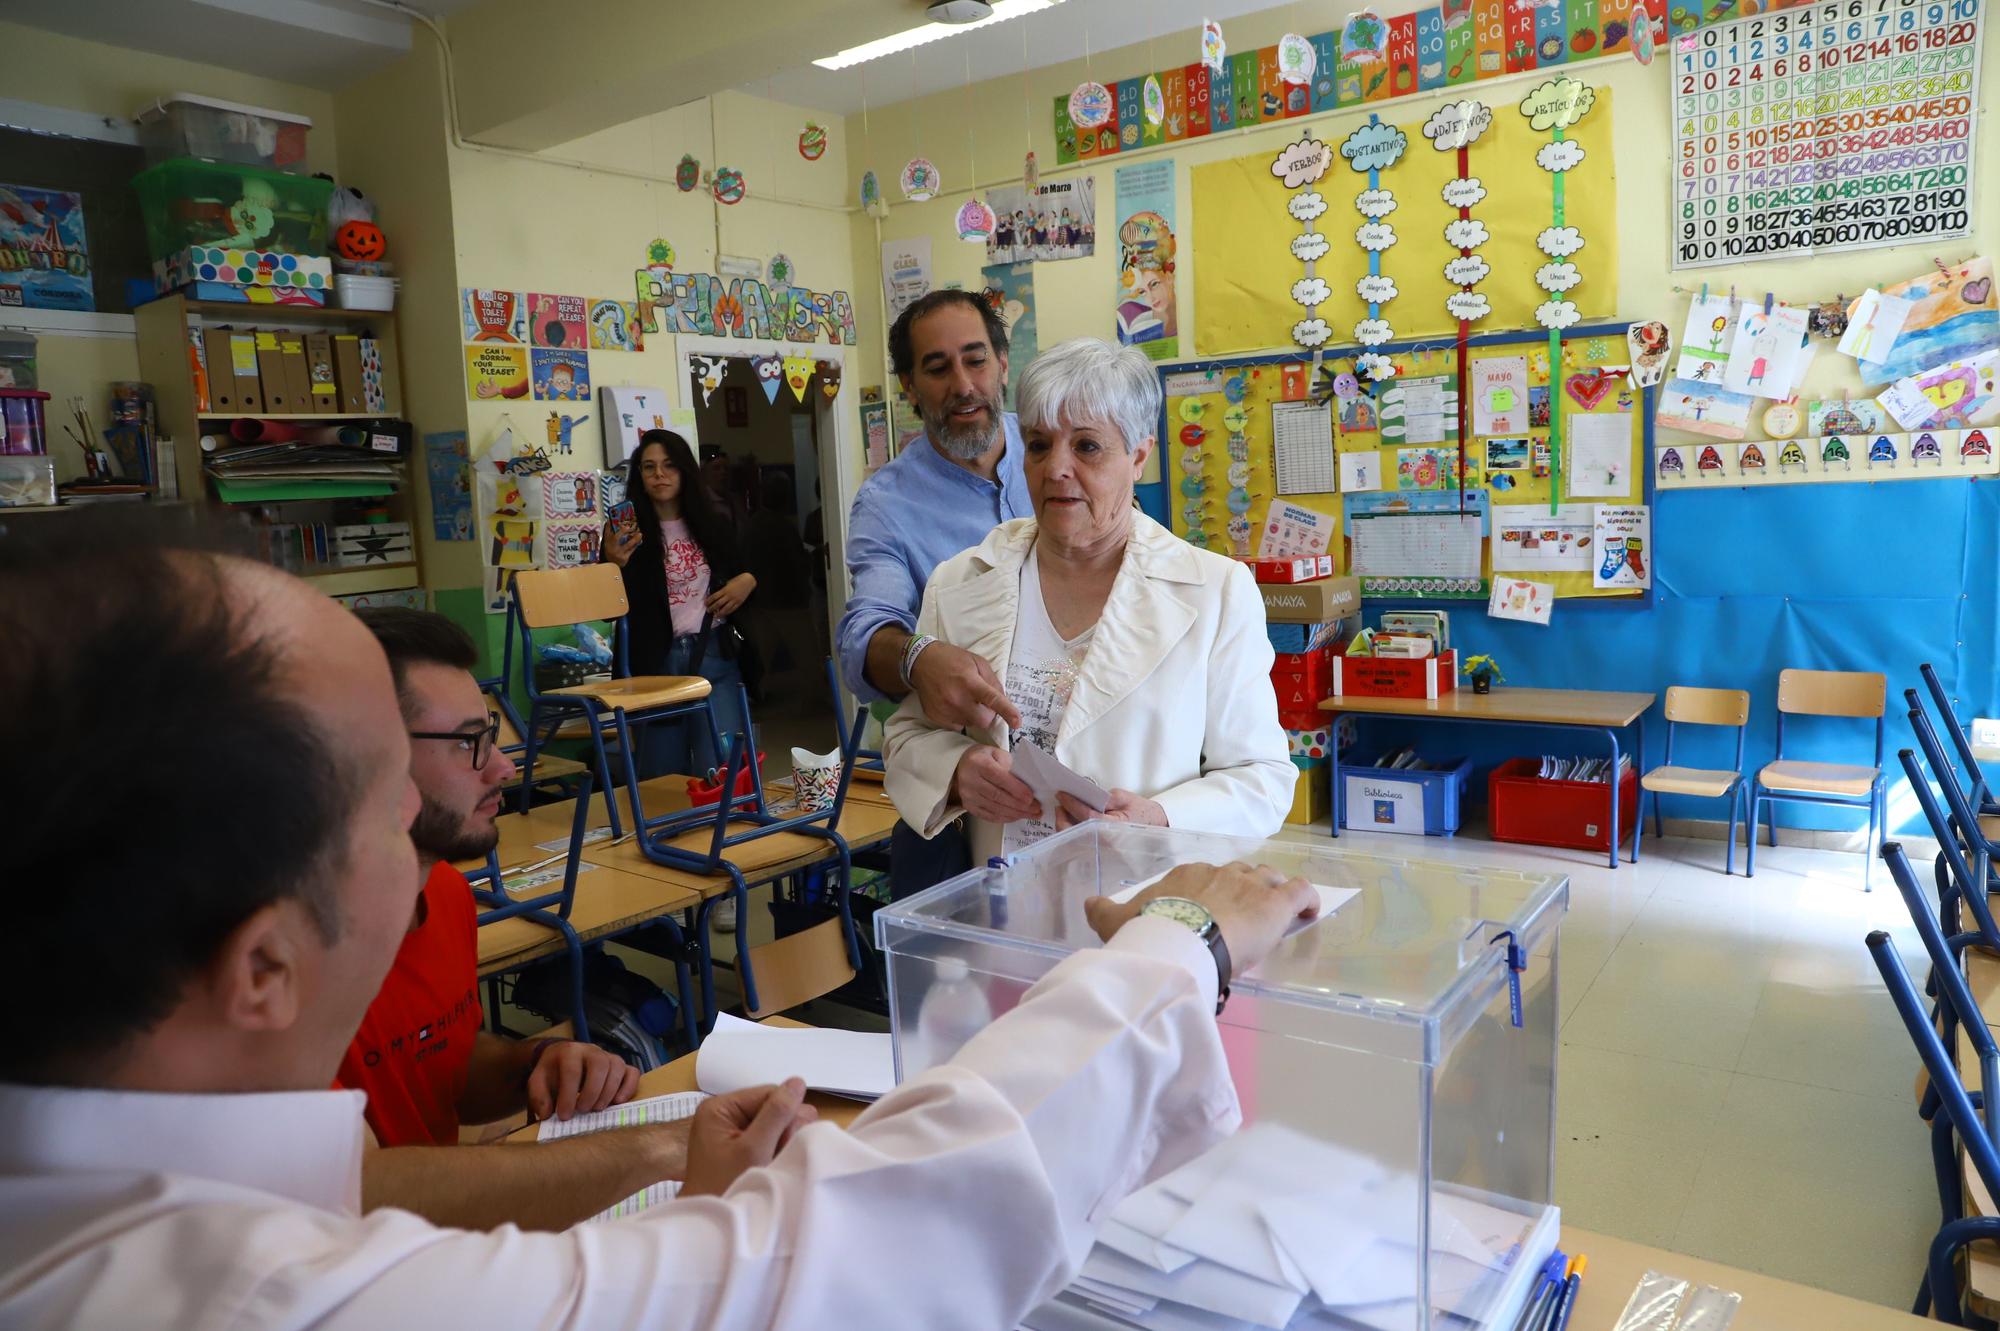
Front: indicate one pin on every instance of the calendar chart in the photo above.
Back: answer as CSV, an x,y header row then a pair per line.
x,y
1837,126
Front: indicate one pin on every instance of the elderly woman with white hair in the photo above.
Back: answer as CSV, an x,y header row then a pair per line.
x,y
1134,658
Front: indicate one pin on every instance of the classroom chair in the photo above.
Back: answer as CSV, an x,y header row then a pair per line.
x,y
561,598
550,769
1698,707
1966,826
550,909
1980,794
1847,693
1971,1115
865,759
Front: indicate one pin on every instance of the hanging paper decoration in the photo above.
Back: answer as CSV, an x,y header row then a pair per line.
x,y
688,174
1296,58
1090,105
1454,128
1297,165
781,272
1556,106
770,373
812,142
1031,172
728,185
709,370
975,221
872,201
660,254
798,373
1214,50
920,180
1374,148
1364,38
829,377
1154,99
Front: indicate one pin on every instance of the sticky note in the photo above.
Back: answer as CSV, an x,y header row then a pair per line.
x,y
1503,399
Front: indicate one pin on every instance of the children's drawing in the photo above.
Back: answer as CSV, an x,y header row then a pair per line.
x,y
1953,315
1701,409
1764,351
561,376
1706,340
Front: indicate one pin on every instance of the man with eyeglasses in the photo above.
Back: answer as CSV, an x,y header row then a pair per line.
x,y
420,1054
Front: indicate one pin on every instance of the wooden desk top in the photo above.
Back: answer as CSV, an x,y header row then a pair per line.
x,y
1560,707
607,901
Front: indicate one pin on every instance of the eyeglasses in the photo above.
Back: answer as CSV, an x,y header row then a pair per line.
x,y
479,743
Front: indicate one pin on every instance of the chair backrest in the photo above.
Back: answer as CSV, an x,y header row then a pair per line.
x,y
503,905
1832,693
554,597
1957,871
1708,707
1956,732
1962,811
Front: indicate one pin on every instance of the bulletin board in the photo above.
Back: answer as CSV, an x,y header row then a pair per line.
x,y
1221,480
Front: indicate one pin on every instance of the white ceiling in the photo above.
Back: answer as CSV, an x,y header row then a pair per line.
x,y
1051,36
318,43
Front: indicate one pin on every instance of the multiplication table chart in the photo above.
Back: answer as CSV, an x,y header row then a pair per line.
x,y
1833,126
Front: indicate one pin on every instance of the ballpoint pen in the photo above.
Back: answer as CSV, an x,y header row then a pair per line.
x,y
1568,1307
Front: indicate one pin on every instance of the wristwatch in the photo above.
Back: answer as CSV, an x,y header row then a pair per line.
x,y
1196,917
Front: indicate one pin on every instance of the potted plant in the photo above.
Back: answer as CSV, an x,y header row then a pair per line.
x,y
1482,671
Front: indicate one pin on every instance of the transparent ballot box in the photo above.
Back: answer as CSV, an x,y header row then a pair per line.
x,y
1395,1167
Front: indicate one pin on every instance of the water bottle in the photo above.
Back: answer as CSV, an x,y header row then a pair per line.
x,y
954,1010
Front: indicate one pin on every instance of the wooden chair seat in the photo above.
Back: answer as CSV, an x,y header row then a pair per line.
x,y
607,901
1819,778
549,767
1690,781
639,692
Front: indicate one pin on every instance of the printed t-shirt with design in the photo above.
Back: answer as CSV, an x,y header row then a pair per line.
x,y
1041,675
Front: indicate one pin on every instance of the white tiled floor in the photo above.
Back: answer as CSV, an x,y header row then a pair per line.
x,y
1733,1080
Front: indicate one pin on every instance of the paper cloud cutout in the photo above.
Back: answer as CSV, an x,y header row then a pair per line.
x,y
1466,270
1375,365
1374,147
1375,203
1467,305
1558,104
1464,193
1457,125
1562,156
1373,332
1311,332
1310,246
1376,289
1302,163
1465,233
1557,278
1307,206
1557,313
1374,235
1311,291
1559,242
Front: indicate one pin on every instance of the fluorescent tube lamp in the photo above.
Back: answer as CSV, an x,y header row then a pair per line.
x,y
930,32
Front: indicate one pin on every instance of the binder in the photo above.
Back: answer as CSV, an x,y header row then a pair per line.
x,y
347,373
319,361
271,374
221,378
198,371
243,364
298,379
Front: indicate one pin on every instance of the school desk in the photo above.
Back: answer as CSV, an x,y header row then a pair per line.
x,y
607,902
1616,1265
1604,714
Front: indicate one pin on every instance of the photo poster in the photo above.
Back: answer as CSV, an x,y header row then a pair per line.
x,y
448,474
560,376
1055,220
1010,290
1624,538
1147,313
44,252
906,273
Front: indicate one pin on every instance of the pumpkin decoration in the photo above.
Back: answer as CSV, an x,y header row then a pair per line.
x,y
360,241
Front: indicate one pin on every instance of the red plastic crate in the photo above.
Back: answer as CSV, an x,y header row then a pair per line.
x,y
1395,676
1527,808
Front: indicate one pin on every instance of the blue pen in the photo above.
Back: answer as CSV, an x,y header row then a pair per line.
x,y
1566,1305
1550,1275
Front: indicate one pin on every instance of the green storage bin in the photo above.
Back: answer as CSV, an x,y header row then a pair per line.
x,y
197,201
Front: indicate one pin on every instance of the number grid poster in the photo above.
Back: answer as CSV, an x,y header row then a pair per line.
x,y
1839,126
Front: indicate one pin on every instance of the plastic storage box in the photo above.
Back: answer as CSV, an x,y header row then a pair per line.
x,y
1525,807
22,414
27,480
192,201
1399,1128
1395,676
185,125
1419,802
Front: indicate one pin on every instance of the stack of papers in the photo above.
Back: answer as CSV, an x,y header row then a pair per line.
x,y
1274,1228
857,1064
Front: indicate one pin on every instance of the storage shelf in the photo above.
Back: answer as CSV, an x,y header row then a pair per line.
x,y
324,314
374,578
328,416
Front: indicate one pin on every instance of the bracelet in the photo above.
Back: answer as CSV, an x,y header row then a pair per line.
x,y
911,651
535,1056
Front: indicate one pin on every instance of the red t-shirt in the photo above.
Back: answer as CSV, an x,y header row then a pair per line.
x,y
415,1042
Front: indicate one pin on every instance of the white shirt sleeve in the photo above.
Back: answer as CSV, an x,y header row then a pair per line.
x,y
961,1199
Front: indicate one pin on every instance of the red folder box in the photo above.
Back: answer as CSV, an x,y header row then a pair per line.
x,y
1393,677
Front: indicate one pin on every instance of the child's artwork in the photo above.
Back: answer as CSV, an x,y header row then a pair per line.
x,y
1649,345
561,376
569,494
556,321
1764,358
496,372
1873,325
1420,411
1953,316
1358,415
1706,340
1701,409
44,255
1624,547
493,316
1426,468
562,431
1523,599
1500,395
1845,416
615,326
1948,397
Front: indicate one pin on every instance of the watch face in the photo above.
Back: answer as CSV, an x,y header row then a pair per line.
x,y
1181,911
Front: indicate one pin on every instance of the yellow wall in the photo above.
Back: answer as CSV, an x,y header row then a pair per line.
x,y
77,75
1074,297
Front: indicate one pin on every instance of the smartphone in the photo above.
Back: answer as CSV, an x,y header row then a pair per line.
x,y
623,515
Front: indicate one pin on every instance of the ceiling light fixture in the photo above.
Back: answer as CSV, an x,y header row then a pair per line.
x,y
930,32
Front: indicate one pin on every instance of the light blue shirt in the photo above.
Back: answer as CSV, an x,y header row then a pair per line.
x,y
908,518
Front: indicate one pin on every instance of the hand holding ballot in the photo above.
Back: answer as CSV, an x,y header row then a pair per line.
x,y
741,1131
1255,906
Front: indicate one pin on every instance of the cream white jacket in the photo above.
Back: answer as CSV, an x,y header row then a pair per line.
x,y
1174,700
